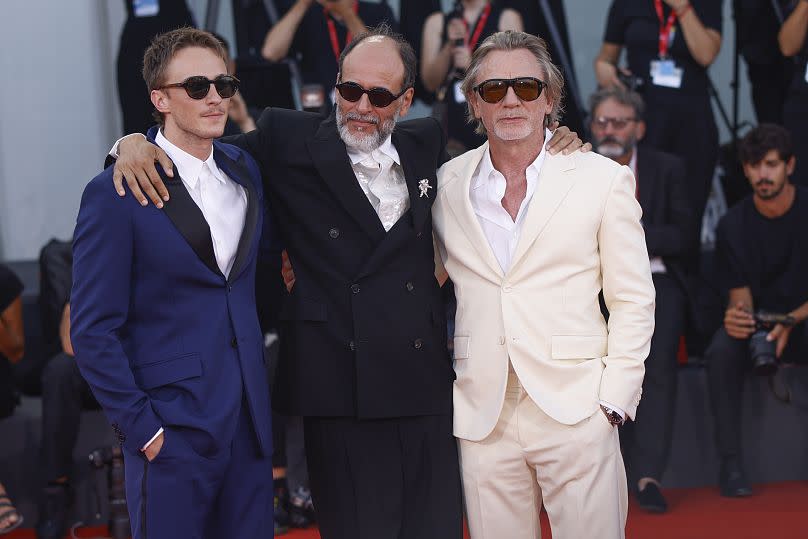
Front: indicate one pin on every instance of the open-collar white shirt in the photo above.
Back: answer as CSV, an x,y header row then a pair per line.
x,y
487,191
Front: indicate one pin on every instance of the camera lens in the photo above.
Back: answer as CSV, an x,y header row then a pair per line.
x,y
763,352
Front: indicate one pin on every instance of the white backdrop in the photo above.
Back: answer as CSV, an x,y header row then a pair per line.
x,y
59,108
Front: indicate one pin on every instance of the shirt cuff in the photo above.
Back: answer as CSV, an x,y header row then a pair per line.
x,y
113,152
159,432
603,403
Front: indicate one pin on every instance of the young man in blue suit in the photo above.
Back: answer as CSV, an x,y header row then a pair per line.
x,y
164,322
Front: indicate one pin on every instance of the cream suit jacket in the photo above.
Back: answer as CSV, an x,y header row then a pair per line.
x,y
582,234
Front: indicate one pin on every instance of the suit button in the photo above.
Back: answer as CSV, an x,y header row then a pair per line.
x,y
230,288
352,346
355,288
410,286
234,342
418,344
334,233
507,288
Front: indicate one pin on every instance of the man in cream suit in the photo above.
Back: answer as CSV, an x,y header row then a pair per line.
x,y
530,240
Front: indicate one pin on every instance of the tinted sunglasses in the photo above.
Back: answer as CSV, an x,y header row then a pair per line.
x,y
378,97
602,122
197,87
495,90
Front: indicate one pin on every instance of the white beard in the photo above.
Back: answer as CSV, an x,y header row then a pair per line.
x,y
370,141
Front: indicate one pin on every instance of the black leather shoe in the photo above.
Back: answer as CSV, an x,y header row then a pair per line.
x,y
732,480
53,516
651,499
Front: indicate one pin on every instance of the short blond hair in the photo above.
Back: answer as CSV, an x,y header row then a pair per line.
x,y
511,40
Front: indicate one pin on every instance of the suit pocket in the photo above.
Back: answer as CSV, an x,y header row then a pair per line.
x,y
297,308
578,346
168,372
462,346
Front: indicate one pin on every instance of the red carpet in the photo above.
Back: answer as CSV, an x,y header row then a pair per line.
x,y
776,511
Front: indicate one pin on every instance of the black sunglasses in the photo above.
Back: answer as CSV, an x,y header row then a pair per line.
x,y
495,90
197,87
378,97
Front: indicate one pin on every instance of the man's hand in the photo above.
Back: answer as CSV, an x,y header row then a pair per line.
x,y
239,114
154,448
739,322
287,272
780,334
461,57
64,332
136,158
566,140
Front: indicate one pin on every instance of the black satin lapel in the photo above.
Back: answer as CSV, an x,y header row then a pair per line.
x,y
420,206
238,172
189,221
331,160
390,248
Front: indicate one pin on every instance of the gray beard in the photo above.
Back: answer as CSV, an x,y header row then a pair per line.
x,y
367,143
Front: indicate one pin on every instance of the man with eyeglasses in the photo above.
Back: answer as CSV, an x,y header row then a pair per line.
x,y
163,319
529,240
670,227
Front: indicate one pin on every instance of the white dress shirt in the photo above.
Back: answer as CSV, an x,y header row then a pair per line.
x,y
223,203
381,178
657,265
486,191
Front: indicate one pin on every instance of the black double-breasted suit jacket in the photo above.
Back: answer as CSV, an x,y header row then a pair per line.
x,y
363,332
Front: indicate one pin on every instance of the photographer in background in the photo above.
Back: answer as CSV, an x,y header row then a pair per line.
x,y
447,44
762,254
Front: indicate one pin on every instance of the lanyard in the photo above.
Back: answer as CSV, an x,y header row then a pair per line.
x,y
332,32
478,28
665,28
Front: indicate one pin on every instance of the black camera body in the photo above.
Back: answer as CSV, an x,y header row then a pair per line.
x,y
762,351
111,459
634,83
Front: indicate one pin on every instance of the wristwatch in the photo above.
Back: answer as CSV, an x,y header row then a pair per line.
x,y
612,416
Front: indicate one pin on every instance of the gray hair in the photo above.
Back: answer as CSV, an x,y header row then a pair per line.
x,y
623,96
509,41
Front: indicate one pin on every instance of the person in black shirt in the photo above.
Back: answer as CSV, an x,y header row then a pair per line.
x,y
12,348
674,79
448,42
318,31
793,43
762,256
144,21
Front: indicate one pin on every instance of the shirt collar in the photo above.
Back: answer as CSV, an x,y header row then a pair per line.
x,y
386,148
487,166
188,166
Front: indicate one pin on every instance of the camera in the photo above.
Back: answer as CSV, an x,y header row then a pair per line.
x,y
763,352
111,459
634,83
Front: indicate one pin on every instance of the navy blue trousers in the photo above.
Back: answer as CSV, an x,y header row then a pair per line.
x,y
183,494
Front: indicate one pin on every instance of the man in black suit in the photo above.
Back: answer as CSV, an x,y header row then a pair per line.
x,y
363,332
670,228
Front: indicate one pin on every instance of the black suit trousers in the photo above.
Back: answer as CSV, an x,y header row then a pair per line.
x,y
64,395
648,439
394,478
728,360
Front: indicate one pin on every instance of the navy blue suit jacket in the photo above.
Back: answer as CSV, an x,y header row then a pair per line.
x,y
160,335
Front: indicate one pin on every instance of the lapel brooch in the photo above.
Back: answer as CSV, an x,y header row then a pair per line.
x,y
424,187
